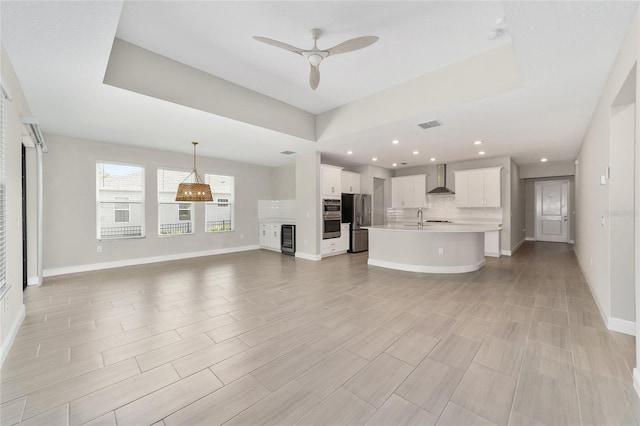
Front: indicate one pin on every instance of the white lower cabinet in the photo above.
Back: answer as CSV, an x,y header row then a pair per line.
x,y
270,236
344,236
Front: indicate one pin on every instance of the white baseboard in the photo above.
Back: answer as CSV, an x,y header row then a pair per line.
x,y
11,335
622,326
306,256
572,242
142,260
505,252
530,239
586,278
636,380
33,281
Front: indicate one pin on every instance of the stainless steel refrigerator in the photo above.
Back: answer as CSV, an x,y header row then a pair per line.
x,y
356,210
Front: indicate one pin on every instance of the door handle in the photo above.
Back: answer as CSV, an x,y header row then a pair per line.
x,y
564,218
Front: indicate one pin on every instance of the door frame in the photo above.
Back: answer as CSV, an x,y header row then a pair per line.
x,y
536,222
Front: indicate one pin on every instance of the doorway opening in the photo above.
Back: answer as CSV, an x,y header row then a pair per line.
x,y
25,278
552,211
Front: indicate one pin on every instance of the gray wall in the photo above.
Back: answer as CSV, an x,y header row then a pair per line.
x,y
70,203
517,207
308,219
283,182
14,307
550,168
593,239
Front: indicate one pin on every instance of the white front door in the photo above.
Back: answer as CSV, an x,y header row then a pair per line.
x,y
552,218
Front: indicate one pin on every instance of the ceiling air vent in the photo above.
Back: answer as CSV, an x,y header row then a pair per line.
x,y
430,124
287,152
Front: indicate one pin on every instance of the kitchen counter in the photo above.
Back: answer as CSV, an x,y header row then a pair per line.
x,y
432,248
438,227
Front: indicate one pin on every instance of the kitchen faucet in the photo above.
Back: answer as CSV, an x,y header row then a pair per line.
x,y
420,222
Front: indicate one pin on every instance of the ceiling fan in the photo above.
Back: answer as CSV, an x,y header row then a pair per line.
x,y
315,55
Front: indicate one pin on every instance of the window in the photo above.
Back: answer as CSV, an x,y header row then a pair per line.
x,y
184,211
219,213
119,201
173,218
121,210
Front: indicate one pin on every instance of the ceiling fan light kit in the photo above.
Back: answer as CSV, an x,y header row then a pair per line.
x,y
315,56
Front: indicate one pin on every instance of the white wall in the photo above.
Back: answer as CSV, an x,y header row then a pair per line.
x,y
13,314
593,246
70,216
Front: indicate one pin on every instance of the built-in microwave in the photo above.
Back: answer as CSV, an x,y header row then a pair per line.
x,y
331,218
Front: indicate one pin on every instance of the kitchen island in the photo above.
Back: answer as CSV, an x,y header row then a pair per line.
x,y
431,248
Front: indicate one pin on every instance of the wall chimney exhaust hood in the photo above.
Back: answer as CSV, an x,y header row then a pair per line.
x,y
441,181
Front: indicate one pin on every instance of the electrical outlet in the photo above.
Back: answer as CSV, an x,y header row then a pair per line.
x,y
242,236
441,251
5,302
98,249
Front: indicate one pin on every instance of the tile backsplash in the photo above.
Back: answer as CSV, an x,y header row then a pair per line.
x,y
276,209
443,207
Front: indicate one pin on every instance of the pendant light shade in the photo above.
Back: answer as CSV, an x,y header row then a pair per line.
x,y
194,191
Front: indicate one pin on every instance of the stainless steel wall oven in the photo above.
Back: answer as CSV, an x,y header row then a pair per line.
x,y
331,217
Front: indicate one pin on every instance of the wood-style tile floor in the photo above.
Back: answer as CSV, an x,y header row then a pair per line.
x,y
260,338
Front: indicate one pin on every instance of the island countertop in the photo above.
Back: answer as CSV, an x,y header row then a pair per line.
x,y
430,227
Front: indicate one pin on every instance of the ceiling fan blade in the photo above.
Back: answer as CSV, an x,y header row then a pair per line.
x,y
314,77
353,44
279,44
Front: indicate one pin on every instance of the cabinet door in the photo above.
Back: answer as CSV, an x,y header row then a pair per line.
x,y
355,183
344,237
462,189
265,235
475,187
275,236
397,192
492,188
331,180
419,190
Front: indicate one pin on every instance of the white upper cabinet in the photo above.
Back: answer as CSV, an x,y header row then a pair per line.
x,y
331,181
350,182
479,187
408,191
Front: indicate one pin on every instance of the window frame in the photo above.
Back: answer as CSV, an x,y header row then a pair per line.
x,y
176,203
142,202
230,201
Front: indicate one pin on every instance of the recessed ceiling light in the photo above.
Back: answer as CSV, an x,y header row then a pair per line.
x,y
349,152
395,141
415,153
481,153
374,159
477,142
394,164
544,160
433,159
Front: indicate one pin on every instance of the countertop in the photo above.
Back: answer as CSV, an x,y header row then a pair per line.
x,y
437,227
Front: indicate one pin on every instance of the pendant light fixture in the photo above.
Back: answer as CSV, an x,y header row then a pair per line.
x,y
194,191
